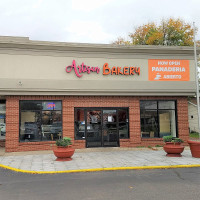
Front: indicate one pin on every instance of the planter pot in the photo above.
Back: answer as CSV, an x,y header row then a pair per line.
x,y
63,153
194,148
173,149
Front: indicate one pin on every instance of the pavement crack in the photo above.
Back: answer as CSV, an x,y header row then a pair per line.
x,y
178,175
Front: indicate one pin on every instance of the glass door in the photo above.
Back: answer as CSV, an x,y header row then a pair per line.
x,y
110,130
93,128
102,128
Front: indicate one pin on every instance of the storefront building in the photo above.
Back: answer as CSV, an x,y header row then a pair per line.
x,y
99,95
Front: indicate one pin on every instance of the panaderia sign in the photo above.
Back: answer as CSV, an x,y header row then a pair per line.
x,y
168,70
79,70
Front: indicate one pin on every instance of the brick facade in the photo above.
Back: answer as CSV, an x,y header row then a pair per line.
x,y
69,102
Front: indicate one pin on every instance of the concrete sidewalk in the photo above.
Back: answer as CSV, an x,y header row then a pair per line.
x,y
97,159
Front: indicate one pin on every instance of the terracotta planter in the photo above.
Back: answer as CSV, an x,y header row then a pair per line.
x,y
172,143
194,148
63,153
173,149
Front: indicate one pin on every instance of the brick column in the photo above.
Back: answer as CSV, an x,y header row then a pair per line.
x,y
12,124
182,118
68,122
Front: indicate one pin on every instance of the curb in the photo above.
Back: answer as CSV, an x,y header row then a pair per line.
x,y
98,169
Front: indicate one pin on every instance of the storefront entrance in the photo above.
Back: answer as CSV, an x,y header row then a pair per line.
x,y
102,126
101,129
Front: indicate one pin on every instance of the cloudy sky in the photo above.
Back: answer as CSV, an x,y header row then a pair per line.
x,y
89,21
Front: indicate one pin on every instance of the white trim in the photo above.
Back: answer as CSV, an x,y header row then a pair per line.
x,y
192,104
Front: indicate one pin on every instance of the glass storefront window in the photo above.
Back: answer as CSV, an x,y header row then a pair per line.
x,y
148,105
30,105
40,124
123,123
167,123
166,105
30,126
51,105
2,119
160,121
51,125
149,123
79,124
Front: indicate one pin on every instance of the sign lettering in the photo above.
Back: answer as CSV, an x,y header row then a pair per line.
x,y
120,71
168,70
81,69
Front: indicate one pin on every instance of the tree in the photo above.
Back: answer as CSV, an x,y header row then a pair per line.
x,y
170,32
147,34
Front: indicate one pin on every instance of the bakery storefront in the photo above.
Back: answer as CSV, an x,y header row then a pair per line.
x,y
99,95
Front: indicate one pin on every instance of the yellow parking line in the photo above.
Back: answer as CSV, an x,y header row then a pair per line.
x,y
98,169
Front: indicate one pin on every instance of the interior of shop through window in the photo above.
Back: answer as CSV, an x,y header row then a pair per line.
x,y
2,119
158,118
40,120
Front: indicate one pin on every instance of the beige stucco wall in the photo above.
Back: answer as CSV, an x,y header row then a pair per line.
x,y
32,67
53,68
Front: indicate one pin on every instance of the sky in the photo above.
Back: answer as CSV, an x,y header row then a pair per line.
x,y
89,21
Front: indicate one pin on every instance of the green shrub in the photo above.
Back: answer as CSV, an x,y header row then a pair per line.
x,y
64,142
167,138
177,140
194,135
172,139
157,145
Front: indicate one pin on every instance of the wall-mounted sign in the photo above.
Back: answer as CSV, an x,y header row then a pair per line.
x,y
80,69
120,70
169,70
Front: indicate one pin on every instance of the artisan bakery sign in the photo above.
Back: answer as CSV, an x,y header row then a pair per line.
x,y
169,70
120,70
79,70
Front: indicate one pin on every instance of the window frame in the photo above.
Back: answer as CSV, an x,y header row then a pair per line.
x,y
157,111
40,111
